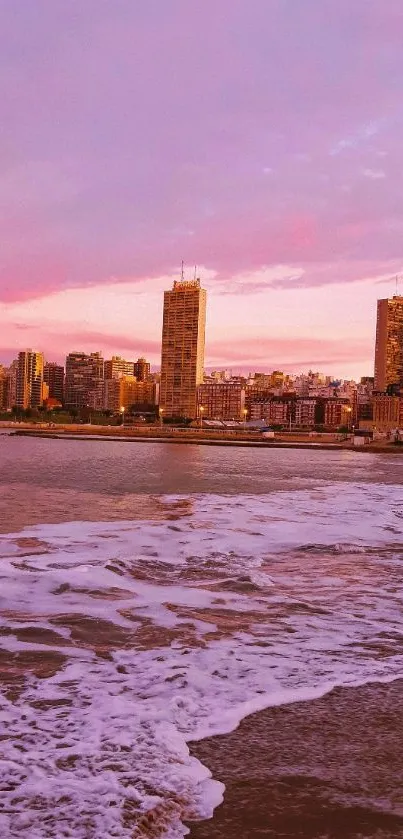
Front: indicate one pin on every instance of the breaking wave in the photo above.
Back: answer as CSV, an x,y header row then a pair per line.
x,y
121,642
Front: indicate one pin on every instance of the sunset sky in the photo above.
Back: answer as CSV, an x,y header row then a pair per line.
x,y
260,139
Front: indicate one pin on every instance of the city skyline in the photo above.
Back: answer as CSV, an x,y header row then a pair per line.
x,y
108,345
269,154
183,332
182,391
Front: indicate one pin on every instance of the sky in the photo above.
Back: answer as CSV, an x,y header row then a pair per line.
x,y
260,140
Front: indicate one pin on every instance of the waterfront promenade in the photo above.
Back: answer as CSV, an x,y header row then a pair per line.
x,y
199,436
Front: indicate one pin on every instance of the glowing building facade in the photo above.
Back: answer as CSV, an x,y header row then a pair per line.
x,y
183,336
29,379
389,344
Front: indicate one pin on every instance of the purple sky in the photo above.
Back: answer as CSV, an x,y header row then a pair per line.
x,y
260,139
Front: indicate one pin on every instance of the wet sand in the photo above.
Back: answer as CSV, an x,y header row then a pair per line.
x,y
327,769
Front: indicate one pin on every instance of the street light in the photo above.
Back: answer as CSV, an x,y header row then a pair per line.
x,y
160,412
122,411
245,414
348,410
201,409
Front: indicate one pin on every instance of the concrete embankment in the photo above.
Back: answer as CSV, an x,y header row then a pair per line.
x,y
191,436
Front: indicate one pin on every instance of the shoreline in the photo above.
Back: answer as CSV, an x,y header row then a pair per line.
x,y
326,767
187,437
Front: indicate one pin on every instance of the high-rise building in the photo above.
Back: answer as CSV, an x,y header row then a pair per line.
x,y
84,383
53,375
306,412
11,389
126,392
112,395
338,413
257,393
142,369
221,400
389,344
3,388
279,411
29,382
116,366
183,335
387,412
362,400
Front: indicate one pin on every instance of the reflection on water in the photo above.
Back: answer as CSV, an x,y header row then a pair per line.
x,y
58,480
23,504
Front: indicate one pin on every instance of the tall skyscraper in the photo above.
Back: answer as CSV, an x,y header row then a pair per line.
x,y
84,384
183,335
29,383
53,375
389,344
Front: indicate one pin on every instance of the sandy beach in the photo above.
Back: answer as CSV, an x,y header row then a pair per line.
x,y
326,769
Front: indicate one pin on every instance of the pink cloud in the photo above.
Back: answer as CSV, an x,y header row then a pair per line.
x,y
249,146
294,352
107,343
56,347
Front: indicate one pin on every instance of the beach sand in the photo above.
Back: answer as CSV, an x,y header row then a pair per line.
x,y
331,768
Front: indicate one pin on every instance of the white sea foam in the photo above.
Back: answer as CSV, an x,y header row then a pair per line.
x,y
152,634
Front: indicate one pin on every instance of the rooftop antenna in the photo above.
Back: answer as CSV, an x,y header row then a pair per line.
x,y
195,274
182,272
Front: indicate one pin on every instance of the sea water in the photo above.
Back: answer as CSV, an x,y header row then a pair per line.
x,y
124,640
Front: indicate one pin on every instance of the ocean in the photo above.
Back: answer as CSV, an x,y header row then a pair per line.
x,y
154,595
